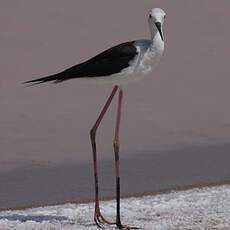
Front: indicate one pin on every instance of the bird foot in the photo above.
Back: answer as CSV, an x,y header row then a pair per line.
x,y
125,227
100,220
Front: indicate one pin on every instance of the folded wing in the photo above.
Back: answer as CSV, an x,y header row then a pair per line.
x,y
109,62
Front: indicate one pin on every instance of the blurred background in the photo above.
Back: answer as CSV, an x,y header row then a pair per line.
x,y
176,124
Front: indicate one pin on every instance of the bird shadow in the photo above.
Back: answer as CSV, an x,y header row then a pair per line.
x,y
36,218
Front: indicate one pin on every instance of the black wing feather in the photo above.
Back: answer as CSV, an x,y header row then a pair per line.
x,y
109,62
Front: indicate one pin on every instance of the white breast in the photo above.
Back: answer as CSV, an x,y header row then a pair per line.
x,y
149,56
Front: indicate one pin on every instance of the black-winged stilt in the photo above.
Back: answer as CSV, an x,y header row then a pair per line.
x,y
126,62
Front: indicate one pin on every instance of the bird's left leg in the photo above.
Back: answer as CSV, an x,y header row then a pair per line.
x,y
98,218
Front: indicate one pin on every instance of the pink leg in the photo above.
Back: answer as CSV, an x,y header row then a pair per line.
x,y
117,166
98,218
116,152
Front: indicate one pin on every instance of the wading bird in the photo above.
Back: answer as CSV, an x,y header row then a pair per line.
x,y
126,62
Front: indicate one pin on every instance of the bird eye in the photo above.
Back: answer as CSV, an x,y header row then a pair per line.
x,y
165,16
150,16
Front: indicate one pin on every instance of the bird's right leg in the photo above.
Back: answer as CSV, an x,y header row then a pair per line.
x,y
98,218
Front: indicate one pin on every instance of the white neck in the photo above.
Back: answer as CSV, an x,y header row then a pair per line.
x,y
157,42
153,30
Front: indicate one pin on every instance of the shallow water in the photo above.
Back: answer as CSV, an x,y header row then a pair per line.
x,y
144,173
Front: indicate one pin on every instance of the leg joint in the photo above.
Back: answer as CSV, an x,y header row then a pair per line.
x,y
92,133
116,150
116,146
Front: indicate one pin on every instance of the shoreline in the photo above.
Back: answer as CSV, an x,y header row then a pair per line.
x,y
140,195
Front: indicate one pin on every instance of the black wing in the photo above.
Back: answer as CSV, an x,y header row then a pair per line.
x,y
109,62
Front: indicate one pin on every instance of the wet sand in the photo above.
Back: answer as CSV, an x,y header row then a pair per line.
x,y
44,141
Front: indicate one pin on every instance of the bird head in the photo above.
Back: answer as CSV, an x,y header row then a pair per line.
x,y
156,20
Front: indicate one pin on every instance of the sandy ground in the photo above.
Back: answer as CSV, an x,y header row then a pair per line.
x,y
44,130
206,208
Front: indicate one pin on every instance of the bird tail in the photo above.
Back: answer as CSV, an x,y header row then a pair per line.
x,y
56,78
72,72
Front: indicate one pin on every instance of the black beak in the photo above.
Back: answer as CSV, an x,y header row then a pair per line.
x,y
158,25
